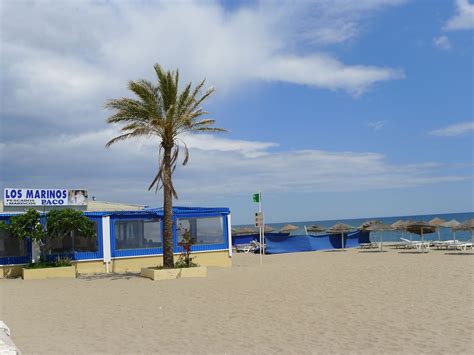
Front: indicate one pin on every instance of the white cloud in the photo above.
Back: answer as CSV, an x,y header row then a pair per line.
x,y
326,72
377,125
218,166
336,20
464,18
60,61
442,42
454,130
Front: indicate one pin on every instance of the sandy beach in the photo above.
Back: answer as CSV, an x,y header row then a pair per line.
x,y
351,301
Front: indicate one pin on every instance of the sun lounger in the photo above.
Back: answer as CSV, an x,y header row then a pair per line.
x,y
440,244
368,245
257,246
415,244
245,248
460,245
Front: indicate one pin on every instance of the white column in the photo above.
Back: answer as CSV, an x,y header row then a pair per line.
x,y
106,241
229,233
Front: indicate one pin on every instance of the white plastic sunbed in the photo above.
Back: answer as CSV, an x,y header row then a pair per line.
x,y
245,248
415,244
444,243
369,245
460,245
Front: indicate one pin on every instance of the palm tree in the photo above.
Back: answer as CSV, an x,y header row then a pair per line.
x,y
164,112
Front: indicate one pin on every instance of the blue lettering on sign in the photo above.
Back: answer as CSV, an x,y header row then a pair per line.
x,y
37,194
29,193
64,193
13,193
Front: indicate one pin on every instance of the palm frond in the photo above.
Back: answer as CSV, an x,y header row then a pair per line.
x,y
136,133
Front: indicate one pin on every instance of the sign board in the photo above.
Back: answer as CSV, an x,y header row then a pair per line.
x,y
259,219
44,197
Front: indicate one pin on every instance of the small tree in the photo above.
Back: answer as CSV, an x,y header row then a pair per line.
x,y
26,225
63,223
59,224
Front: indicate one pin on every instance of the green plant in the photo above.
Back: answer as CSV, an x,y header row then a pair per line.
x,y
185,259
59,224
62,262
165,112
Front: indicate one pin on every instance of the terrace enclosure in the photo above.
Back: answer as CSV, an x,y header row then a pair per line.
x,y
127,240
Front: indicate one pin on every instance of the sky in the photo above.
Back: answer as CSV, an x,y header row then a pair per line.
x,y
334,108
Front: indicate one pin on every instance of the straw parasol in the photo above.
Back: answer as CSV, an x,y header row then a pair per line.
x,y
420,228
340,228
467,226
401,225
289,228
243,231
268,229
365,225
453,224
437,222
377,226
316,228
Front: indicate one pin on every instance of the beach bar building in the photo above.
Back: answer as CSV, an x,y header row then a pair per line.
x,y
129,237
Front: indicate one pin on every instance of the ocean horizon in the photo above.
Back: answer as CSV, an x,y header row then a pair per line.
x,y
445,233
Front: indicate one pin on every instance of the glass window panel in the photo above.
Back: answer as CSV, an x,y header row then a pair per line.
x,y
74,243
11,246
204,231
138,234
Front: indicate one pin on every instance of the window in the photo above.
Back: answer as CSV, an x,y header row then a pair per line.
x,y
11,246
74,243
209,230
138,234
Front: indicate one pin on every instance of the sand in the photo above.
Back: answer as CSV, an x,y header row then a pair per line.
x,y
357,302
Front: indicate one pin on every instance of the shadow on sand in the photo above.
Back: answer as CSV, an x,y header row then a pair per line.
x,y
110,276
459,253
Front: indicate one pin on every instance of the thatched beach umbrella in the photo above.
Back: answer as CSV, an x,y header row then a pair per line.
x,y
421,228
315,228
340,228
453,224
401,226
366,224
244,231
268,229
437,222
289,228
467,226
378,226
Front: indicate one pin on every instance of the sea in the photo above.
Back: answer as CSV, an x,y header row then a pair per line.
x,y
388,236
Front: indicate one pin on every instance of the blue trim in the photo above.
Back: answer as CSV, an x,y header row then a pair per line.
x,y
132,252
203,247
147,213
86,255
20,259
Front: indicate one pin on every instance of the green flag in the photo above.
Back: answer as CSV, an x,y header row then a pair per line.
x,y
256,197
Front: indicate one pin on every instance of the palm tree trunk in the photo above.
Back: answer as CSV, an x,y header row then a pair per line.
x,y
168,260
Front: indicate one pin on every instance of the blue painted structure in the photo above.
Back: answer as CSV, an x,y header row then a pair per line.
x,y
146,214
298,243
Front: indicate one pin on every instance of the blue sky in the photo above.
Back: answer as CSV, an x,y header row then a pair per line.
x,y
335,109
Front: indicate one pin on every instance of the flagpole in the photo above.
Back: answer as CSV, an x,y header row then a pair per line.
x,y
260,227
